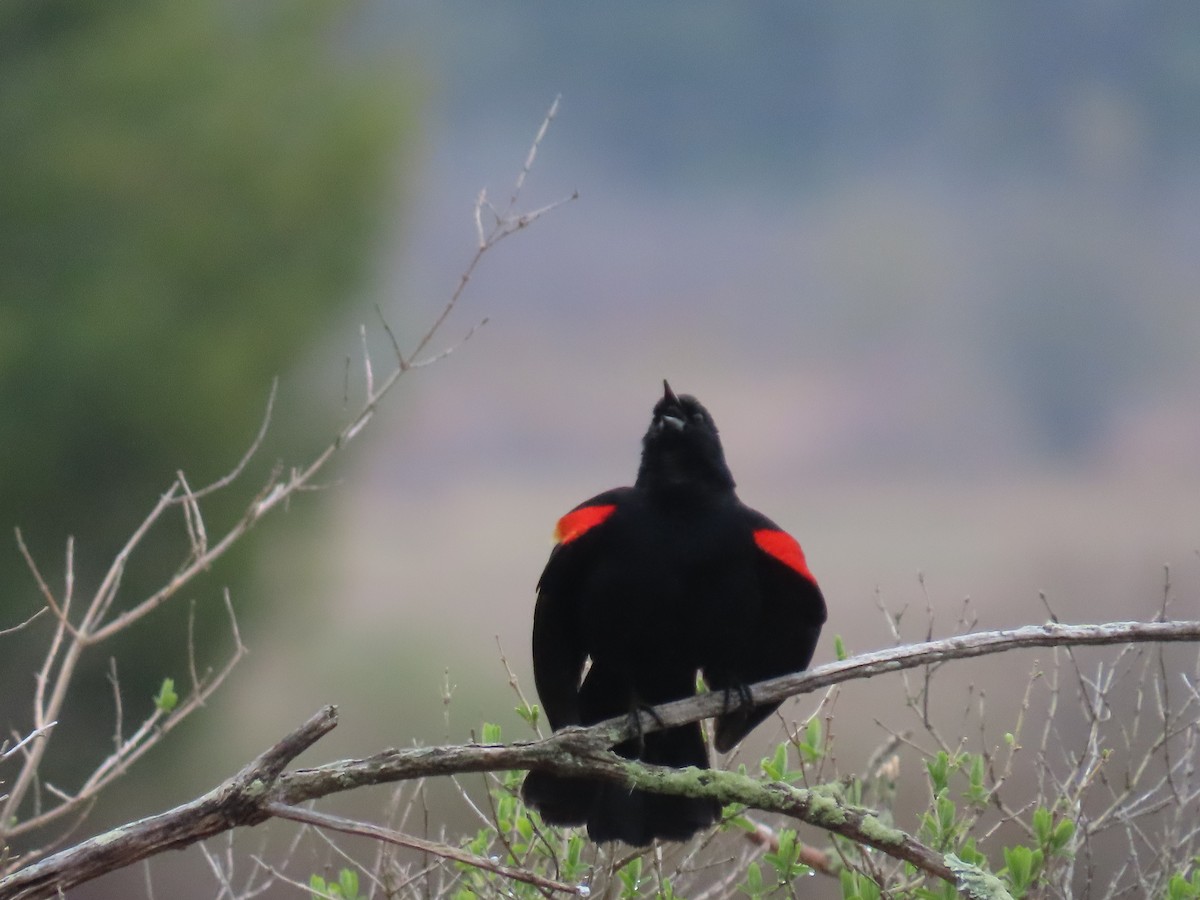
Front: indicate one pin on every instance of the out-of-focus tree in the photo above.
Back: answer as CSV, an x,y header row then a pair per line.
x,y
189,193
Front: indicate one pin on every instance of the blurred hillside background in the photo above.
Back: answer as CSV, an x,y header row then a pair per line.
x,y
933,270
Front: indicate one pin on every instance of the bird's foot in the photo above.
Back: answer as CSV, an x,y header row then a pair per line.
x,y
744,698
635,720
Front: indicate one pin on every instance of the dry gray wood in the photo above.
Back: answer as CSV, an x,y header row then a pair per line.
x,y
245,799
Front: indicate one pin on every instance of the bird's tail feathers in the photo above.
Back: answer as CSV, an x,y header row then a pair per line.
x,y
639,817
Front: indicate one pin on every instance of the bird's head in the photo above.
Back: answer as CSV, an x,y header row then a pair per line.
x,y
682,449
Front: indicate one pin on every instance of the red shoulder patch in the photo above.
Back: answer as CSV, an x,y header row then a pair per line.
x,y
784,548
578,521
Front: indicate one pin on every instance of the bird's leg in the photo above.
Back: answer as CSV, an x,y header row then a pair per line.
x,y
635,719
744,697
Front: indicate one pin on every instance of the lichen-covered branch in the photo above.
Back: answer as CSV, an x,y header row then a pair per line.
x,y
824,808
247,798
262,790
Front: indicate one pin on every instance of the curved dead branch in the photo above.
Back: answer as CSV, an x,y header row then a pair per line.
x,y
265,787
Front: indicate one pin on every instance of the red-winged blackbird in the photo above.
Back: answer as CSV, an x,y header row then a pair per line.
x,y
654,583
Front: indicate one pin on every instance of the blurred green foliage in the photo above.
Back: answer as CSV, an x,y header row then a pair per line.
x,y
190,193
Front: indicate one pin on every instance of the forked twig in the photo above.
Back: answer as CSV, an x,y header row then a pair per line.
x,y
102,618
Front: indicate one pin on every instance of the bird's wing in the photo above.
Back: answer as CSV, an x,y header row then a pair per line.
x,y
792,600
784,636
559,651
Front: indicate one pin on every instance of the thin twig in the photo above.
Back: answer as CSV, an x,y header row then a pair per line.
x,y
364,829
251,451
97,624
119,714
33,735
574,751
47,594
15,628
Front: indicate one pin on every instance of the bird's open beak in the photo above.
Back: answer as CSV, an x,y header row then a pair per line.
x,y
669,394
675,422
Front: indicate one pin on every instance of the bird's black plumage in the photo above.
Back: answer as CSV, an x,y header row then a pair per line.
x,y
652,584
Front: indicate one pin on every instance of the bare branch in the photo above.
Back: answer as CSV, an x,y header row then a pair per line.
x,y
102,618
229,805
505,224
33,735
44,715
869,665
533,149
119,714
192,517
231,476
391,337
15,628
152,730
246,799
368,373
273,494
47,594
445,851
430,360
107,592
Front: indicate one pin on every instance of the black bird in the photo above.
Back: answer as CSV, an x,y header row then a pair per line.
x,y
652,584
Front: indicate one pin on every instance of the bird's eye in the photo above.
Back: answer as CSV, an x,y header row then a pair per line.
x,y
698,418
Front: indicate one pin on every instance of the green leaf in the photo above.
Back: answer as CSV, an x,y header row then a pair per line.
x,y
480,843
786,859
857,886
1042,822
947,814
166,699
573,867
1063,832
530,713
525,827
853,788
732,818
839,647
970,854
976,768
1018,860
753,885
849,892
506,807
491,733
775,768
812,733
323,889
977,792
1179,888
939,772
348,882
812,747
1021,864
631,877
